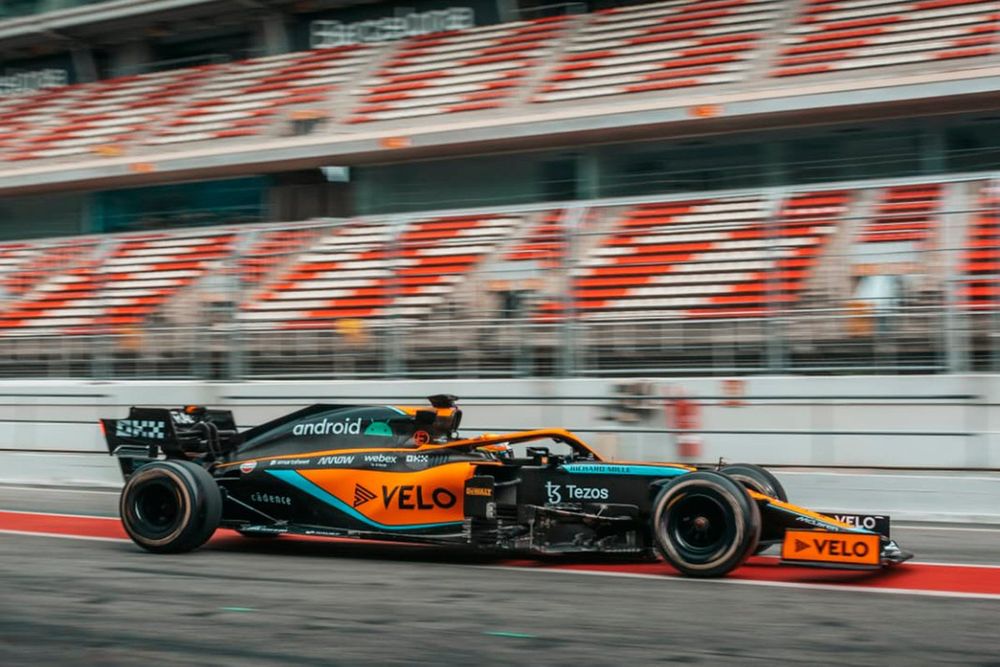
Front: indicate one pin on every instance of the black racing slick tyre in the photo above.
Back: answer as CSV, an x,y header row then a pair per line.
x,y
705,524
170,506
756,479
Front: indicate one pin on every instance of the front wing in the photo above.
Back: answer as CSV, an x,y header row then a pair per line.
x,y
811,538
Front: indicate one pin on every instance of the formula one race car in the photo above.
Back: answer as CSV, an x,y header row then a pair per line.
x,y
403,474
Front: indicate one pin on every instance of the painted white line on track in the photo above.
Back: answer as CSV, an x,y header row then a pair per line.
x,y
71,516
968,529
767,556
50,489
89,538
959,529
656,577
994,566
964,478
756,582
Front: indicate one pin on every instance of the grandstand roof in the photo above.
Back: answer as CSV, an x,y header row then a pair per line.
x,y
114,18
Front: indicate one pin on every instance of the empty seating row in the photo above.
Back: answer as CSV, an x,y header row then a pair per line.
x,y
700,258
270,251
661,46
89,118
980,288
832,35
374,270
243,98
707,258
904,214
24,266
116,288
544,243
210,102
469,70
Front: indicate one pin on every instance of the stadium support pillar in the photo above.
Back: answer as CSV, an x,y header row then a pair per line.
x,y
237,290
393,332
508,11
570,329
589,175
993,337
131,57
954,322
775,306
934,150
272,32
83,64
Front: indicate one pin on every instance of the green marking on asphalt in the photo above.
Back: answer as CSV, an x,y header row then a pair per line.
x,y
511,635
236,609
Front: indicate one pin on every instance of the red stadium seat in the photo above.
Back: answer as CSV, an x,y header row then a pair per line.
x,y
369,270
544,242
843,35
246,97
661,46
211,102
980,263
270,251
707,258
103,289
469,70
904,214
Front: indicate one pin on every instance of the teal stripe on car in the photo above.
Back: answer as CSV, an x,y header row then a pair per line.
x,y
613,469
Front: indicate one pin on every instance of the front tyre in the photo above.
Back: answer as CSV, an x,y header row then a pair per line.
x,y
759,479
705,524
170,506
756,478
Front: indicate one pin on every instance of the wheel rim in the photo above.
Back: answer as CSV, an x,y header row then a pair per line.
x,y
698,524
157,508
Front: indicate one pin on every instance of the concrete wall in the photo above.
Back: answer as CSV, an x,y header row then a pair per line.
x,y
49,433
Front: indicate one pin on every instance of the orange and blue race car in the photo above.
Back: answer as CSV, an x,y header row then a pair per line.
x,y
403,473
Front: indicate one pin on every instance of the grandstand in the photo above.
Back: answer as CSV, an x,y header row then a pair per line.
x,y
981,256
695,186
652,52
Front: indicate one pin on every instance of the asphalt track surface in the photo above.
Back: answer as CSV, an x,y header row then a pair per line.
x,y
322,602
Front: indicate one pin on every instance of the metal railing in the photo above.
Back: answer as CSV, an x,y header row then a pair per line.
x,y
910,341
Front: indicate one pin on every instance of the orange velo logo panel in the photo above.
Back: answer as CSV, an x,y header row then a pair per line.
x,y
434,495
823,547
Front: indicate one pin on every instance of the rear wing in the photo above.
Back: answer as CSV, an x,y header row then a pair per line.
x,y
191,433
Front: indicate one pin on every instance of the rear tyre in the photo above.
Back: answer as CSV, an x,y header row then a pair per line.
x,y
170,506
705,524
758,479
